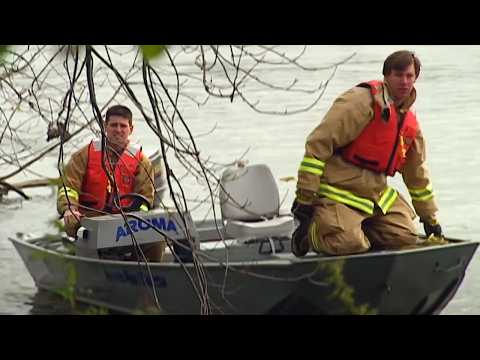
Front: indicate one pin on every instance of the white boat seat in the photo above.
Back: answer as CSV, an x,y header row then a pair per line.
x,y
276,227
250,202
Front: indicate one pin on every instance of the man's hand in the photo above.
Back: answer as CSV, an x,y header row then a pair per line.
x,y
432,227
303,216
71,218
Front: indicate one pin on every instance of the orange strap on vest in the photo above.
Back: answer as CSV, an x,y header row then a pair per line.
x,y
383,144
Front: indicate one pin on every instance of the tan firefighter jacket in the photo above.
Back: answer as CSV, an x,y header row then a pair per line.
x,y
323,172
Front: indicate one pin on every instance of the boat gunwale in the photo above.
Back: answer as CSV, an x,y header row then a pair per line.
x,y
309,258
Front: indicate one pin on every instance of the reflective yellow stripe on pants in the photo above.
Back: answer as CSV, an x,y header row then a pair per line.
x,y
316,244
387,199
348,198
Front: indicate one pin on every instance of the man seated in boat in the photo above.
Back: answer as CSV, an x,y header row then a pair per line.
x,y
343,204
88,190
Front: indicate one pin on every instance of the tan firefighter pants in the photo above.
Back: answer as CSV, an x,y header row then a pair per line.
x,y
338,229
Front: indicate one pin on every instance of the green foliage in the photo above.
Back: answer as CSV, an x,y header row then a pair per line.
x,y
56,181
342,291
57,224
38,255
151,52
147,310
68,292
53,238
3,50
92,310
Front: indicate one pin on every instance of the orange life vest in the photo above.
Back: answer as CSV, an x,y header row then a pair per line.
x,y
97,192
383,144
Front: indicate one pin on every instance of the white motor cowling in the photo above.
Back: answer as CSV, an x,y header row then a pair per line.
x,y
111,232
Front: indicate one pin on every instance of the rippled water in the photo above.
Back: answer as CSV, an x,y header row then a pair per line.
x,y
448,94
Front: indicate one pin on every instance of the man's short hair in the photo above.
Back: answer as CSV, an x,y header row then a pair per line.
x,y
399,61
119,110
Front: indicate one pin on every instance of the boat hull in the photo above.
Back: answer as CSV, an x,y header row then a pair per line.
x,y
416,281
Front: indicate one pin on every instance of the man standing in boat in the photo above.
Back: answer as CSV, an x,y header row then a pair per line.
x,y
343,204
88,190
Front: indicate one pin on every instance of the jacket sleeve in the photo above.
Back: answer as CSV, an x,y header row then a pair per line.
x,y
344,121
144,179
417,179
71,186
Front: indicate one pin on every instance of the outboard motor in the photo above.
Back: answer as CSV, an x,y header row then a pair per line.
x,y
110,232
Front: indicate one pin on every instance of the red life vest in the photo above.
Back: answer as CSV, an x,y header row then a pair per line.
x,y
96,188
383,144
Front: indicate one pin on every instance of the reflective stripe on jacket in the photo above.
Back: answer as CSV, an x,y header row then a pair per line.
x,y
384,202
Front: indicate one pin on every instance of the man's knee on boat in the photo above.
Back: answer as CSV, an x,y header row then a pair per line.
x,y
392,234
336,229
153,252
395,240
352,241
